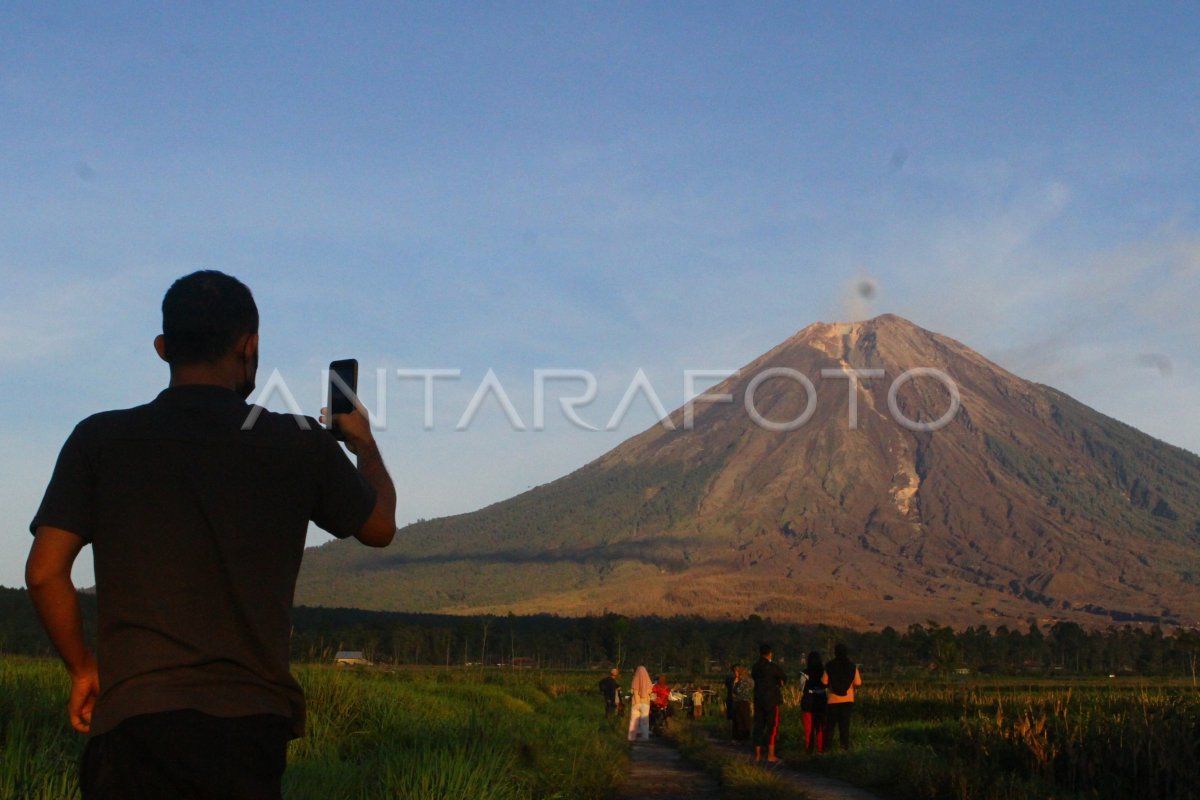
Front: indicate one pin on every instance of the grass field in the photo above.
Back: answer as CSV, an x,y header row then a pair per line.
x,y
511,735
500,735
1013,740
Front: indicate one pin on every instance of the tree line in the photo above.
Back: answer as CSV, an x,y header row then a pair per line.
x,y
690,645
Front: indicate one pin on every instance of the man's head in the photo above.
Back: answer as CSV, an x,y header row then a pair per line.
x,y
614,672
209,321
839,650
764,650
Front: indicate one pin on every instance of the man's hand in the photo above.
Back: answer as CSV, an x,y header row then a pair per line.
x,y
355,427
85,687
48,576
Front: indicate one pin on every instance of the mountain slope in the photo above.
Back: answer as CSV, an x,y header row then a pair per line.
x,y
1026,503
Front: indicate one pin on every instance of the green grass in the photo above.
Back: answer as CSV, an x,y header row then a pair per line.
x,y
425,734
527,735
1014,740
739,779
39,754
452,735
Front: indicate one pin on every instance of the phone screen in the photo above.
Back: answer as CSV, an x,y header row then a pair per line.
x,y
343,387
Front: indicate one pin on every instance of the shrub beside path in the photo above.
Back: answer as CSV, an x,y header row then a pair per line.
x,y
658,772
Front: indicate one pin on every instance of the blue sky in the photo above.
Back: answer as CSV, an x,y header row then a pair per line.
x,y
607,187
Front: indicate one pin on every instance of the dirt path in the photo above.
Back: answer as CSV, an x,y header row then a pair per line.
x,y
816,787
658,772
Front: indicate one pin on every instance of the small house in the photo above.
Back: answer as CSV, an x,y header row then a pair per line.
x,y
350,658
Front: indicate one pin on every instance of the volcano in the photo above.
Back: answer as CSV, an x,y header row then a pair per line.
x,y
859,474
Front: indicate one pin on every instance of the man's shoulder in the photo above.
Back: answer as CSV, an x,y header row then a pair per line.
x,y
114,421
155,417
274,423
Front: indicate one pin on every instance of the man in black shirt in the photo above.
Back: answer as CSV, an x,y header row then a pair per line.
x,y
610,690
196,506
768,682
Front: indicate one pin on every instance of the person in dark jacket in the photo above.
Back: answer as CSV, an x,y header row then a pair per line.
x,y
742,699
768,696
841,678
610,690
812,704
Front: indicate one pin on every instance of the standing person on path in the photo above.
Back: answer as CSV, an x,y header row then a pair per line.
x,y
768,697
812,704
639,716
196,506
610,690
698,703
660,703
743,697
841,677
730,680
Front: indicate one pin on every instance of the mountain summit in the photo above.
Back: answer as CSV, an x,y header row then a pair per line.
x,y
942,488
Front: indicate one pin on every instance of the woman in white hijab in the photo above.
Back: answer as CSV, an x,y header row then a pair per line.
x,y
639,718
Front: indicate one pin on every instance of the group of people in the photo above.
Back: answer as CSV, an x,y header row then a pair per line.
x,y
649,702
827,697
753,697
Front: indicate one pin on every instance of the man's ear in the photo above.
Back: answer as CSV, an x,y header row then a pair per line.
x,y
248,346
160,347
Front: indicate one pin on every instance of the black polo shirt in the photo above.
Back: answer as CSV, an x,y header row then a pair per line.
x,y
769,677
197,529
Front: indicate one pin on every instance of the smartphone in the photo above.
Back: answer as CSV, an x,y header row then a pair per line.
x,y
343,389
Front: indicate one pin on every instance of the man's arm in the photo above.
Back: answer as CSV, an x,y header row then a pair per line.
x,y
380,527
48,576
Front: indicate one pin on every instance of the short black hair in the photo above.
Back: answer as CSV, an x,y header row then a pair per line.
x,y
839,650
204,314
764,648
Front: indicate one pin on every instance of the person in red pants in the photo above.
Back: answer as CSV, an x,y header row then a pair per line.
x,y
812,704
768,697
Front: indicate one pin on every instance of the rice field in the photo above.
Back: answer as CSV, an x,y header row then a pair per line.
x,y
1013,740
434,733
426,733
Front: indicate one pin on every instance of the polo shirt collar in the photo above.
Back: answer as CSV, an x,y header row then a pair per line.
x,y
199,396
